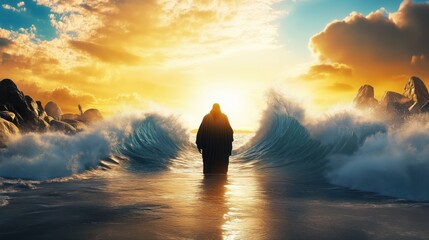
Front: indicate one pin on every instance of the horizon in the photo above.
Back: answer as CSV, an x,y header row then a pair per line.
x,y
180,58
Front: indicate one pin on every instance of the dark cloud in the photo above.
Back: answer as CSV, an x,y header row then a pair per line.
x,y
105,54
379,45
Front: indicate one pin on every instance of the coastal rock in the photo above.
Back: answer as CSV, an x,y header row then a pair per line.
x,y
53,110
24,107
365,97
395,102
7,129
62,127
32,105
40,109
416,90
91,116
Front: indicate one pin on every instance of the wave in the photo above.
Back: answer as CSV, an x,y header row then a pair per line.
x,y
345,148
155,141
42,156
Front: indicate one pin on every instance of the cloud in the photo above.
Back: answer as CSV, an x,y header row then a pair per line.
x,y
105,54
66,97
341,87
379,45
20,7
327,71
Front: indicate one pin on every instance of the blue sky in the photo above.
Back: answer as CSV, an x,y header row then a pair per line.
x,y
33,15
305,18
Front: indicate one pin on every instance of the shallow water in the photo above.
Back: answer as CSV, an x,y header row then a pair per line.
x,y
180,203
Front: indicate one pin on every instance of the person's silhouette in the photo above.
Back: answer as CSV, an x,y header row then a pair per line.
x,y
214,141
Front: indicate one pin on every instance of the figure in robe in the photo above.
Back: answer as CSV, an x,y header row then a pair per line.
x,y
214,141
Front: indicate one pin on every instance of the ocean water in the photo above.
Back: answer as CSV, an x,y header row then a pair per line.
x,y
340,176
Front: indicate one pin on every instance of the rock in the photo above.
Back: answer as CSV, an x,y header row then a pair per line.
x,y
53,110
78,125
416,90
9,116
395,102
91,116
7,130
13,100
32,105
365,97
40,109
62,127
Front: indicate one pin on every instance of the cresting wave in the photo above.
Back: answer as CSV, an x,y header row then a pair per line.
x,y
346,148
151,139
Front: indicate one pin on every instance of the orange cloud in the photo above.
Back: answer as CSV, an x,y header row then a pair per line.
x,y
379,47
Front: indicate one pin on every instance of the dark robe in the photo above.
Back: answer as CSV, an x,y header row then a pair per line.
x,y
215,138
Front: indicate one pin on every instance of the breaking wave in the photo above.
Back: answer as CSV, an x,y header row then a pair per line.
x,y
345,148
150,139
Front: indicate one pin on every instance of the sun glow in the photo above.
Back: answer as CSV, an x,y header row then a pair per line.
x,y
232,103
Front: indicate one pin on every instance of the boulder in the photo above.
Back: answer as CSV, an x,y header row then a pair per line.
x,y
7,129
62,127
365,97
13,100
40,109
416,91
32,105
53,110
78,125
91,116
9,116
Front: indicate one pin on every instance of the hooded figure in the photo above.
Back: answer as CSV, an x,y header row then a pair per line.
x,y
214,141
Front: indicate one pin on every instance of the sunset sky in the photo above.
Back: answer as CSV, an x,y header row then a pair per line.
x,y
181,56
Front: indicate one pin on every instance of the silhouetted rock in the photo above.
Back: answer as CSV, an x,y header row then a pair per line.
x,y
365,97
40,109
395,102
78,125
53,110
7,129
62,127
32,105
416,90
91,116
13,100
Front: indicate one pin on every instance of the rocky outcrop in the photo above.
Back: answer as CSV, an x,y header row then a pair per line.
x,y
395,102
91,116
365,97
24,108
7,129
416,91
19,112
53,110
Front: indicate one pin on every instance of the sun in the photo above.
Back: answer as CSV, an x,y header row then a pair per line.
x,y
231,103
